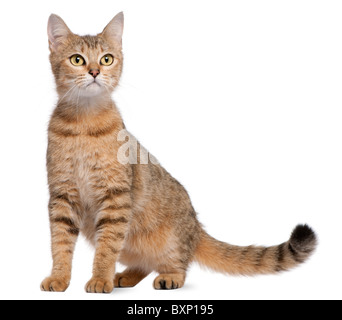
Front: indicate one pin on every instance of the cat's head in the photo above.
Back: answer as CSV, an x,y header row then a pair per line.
x,y
85,66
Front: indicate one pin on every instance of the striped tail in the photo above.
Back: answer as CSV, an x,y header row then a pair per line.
x,y
252,260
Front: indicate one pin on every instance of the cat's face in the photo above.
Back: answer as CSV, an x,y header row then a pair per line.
x,y
85,67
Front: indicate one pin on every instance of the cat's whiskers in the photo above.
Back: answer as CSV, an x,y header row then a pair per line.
x,y
65,84
79,82
113,86
72,80
107,89
57,74
66,94
77,104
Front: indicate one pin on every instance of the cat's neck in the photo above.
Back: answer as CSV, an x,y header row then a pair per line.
x,y
82,103
88,117
85,107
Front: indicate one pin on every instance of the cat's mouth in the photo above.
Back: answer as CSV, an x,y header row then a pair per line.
x,y
92,88
93,84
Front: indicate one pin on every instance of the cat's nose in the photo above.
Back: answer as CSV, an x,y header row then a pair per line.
x,y
94,72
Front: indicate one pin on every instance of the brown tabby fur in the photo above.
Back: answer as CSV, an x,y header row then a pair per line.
x,y
137,214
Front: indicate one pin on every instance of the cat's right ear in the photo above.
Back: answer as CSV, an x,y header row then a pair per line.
x,y
58,31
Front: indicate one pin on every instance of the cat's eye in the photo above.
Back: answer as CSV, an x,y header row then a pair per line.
x,y
77,60
107,60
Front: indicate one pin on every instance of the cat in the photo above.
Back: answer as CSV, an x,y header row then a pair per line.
x,y
135,213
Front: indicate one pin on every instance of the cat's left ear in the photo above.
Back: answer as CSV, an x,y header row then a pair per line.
x,y
58,31
114,30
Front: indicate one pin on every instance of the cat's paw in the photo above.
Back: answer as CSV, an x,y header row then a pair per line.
x,y
121,281
53,284
129,278
169,281
97,285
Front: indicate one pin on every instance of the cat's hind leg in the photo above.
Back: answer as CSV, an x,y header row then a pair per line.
x,y
129,278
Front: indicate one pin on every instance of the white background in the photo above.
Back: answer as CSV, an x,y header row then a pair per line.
x,y
239,100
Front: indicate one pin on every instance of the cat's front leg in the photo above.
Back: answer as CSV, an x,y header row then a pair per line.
x,y
111,228
64,232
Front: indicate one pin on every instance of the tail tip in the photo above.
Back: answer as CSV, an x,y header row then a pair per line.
x,y
304,239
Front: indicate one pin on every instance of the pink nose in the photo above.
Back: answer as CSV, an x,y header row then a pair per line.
x,y
94,72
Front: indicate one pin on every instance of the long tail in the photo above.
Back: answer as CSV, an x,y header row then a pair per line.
x,y
252,260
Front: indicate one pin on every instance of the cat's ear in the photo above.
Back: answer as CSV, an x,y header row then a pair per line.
x,y
114,30
58,31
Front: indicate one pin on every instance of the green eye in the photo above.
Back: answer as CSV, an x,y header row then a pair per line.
x,y
107,60
77,60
